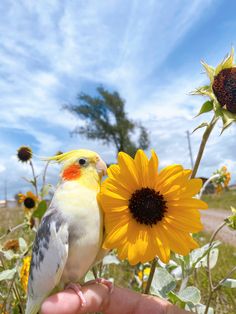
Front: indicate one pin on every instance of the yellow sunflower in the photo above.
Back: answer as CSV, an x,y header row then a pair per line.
x,y
29,200
147,213
24,272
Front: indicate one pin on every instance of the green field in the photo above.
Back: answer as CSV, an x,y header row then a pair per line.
x,y
222,201
223,300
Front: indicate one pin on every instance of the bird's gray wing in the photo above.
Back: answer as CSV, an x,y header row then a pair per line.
x,y
50,251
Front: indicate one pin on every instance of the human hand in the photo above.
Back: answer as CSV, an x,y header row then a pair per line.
x,y
99,299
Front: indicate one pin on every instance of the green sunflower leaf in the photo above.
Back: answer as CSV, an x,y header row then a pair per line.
x,y
23,244
206,107
45,190
110,259
227,62
210,71
41,209
175,299
203,90
202,125
190,295
200,308
230,283
163,282
9,255
89,276
7,274
198,256
228,118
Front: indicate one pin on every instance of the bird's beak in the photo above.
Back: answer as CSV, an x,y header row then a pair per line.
x,y
101,168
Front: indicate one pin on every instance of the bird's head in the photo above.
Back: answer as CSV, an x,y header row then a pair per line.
x,y
82,164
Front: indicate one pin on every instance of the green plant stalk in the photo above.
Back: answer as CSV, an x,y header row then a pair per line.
x,y
205,137
44,174
211,287
150,278
13,286
35,179
13,229
226,277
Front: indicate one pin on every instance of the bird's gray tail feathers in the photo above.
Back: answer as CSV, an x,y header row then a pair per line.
x,y
33,306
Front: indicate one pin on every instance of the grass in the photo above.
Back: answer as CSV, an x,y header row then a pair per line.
x,y
222,201
223,301
10,217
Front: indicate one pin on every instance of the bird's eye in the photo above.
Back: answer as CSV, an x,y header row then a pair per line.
x,y
82,161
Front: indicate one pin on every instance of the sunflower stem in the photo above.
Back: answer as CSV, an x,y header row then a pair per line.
x,y
35,179
10,230
203,144
208,254
44,174
210,283
150,278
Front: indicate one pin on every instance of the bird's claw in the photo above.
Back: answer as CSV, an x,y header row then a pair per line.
x,y
103,281
77,289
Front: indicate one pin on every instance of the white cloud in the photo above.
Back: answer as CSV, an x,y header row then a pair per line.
x,y
53,48
2,168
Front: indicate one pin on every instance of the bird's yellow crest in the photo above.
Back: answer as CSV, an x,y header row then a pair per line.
x,y
72,155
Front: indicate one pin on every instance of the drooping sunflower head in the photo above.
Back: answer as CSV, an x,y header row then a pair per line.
x,y
29,200
149,213
221,90
231,220
222,180
12,244
24,153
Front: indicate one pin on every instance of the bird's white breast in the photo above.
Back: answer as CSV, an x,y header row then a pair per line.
x,y
79,205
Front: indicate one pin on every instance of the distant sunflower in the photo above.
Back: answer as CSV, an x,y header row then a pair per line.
x,y
29,200
12,244
221,90
24,272
147,213
143,276
24,153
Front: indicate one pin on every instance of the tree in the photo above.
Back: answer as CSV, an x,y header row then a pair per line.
x,y
106,120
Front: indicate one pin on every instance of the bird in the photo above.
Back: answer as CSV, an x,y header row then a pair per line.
x,y
69,238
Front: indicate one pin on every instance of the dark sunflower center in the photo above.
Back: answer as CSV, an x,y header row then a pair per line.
x,y
29,202
147,206
24,154
224,87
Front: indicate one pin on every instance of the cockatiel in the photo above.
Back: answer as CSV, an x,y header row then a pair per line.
x,y
69,237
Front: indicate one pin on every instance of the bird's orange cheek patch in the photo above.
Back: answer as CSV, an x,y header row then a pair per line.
x,y
71,173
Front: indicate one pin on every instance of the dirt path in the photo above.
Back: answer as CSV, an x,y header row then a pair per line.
x,y
212,218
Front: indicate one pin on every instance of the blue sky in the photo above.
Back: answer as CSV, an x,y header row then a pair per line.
x,y
148,51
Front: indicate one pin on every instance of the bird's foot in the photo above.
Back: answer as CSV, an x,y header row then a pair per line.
x,y
77,289
103,281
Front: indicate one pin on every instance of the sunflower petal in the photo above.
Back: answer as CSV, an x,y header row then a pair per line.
x,y
115,237
167,173
191,188
141,163
113,171
128,168
189,203
152,169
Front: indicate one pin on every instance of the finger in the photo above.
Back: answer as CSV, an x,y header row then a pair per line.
x,y
68,302
65,302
